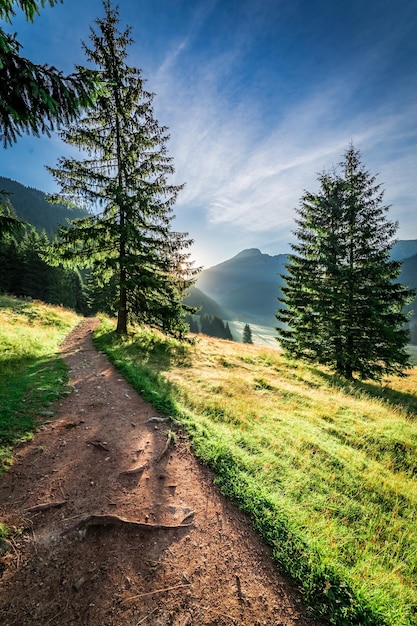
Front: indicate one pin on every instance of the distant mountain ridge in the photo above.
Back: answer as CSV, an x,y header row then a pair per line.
x,y
403,249
248,266
32,206
247,286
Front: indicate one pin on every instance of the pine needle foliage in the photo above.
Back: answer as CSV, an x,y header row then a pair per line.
x,y
35,98
247,334
9,222
122,178
342,306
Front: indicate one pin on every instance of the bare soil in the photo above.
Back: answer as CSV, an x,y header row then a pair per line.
x,y
96,546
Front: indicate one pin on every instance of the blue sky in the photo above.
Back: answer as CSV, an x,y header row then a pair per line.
x,y
259,96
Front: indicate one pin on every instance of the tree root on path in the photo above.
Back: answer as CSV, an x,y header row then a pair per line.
x,y
45,506
101,445
136,470
170,440
114,520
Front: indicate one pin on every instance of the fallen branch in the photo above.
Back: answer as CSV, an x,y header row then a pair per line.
x,y
45,506
169,441
114,520
136,470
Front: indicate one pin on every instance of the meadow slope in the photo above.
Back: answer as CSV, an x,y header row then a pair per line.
x,y
325,469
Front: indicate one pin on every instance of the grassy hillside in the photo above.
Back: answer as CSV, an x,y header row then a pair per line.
x,y
324,469
32,375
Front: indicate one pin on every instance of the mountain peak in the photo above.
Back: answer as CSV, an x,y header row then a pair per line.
x,y
249,252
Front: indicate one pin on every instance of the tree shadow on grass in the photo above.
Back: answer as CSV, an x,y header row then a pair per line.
x,y
147,348
143,362
397,399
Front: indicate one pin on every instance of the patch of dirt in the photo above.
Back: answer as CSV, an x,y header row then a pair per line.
x,y
191,559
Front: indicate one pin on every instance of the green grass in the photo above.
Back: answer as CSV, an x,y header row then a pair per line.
x,y
326,470
32,374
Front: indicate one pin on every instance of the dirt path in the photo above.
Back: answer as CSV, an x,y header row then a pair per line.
x,y
212,570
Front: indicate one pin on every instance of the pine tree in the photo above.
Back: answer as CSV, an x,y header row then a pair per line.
x,y
413,334
206,324
193,324
247,334
11,265
217,327
9,222
125,175
228,332
36,271
342,306
34,98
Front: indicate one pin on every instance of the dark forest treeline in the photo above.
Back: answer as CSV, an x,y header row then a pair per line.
x,y
211,325
24,272
24,249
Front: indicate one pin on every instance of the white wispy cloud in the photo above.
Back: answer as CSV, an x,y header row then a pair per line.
x,y
240,173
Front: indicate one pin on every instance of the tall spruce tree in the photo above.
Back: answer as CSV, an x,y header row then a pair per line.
x,y
124,173
342,306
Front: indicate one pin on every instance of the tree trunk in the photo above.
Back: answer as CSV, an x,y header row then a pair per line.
x,y
122,312
348,372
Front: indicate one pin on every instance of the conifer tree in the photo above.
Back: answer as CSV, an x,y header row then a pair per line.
x,y
124,173
213,326
247,334
9,222
34,98
227,332
193,324
11,265
342,306
36,271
